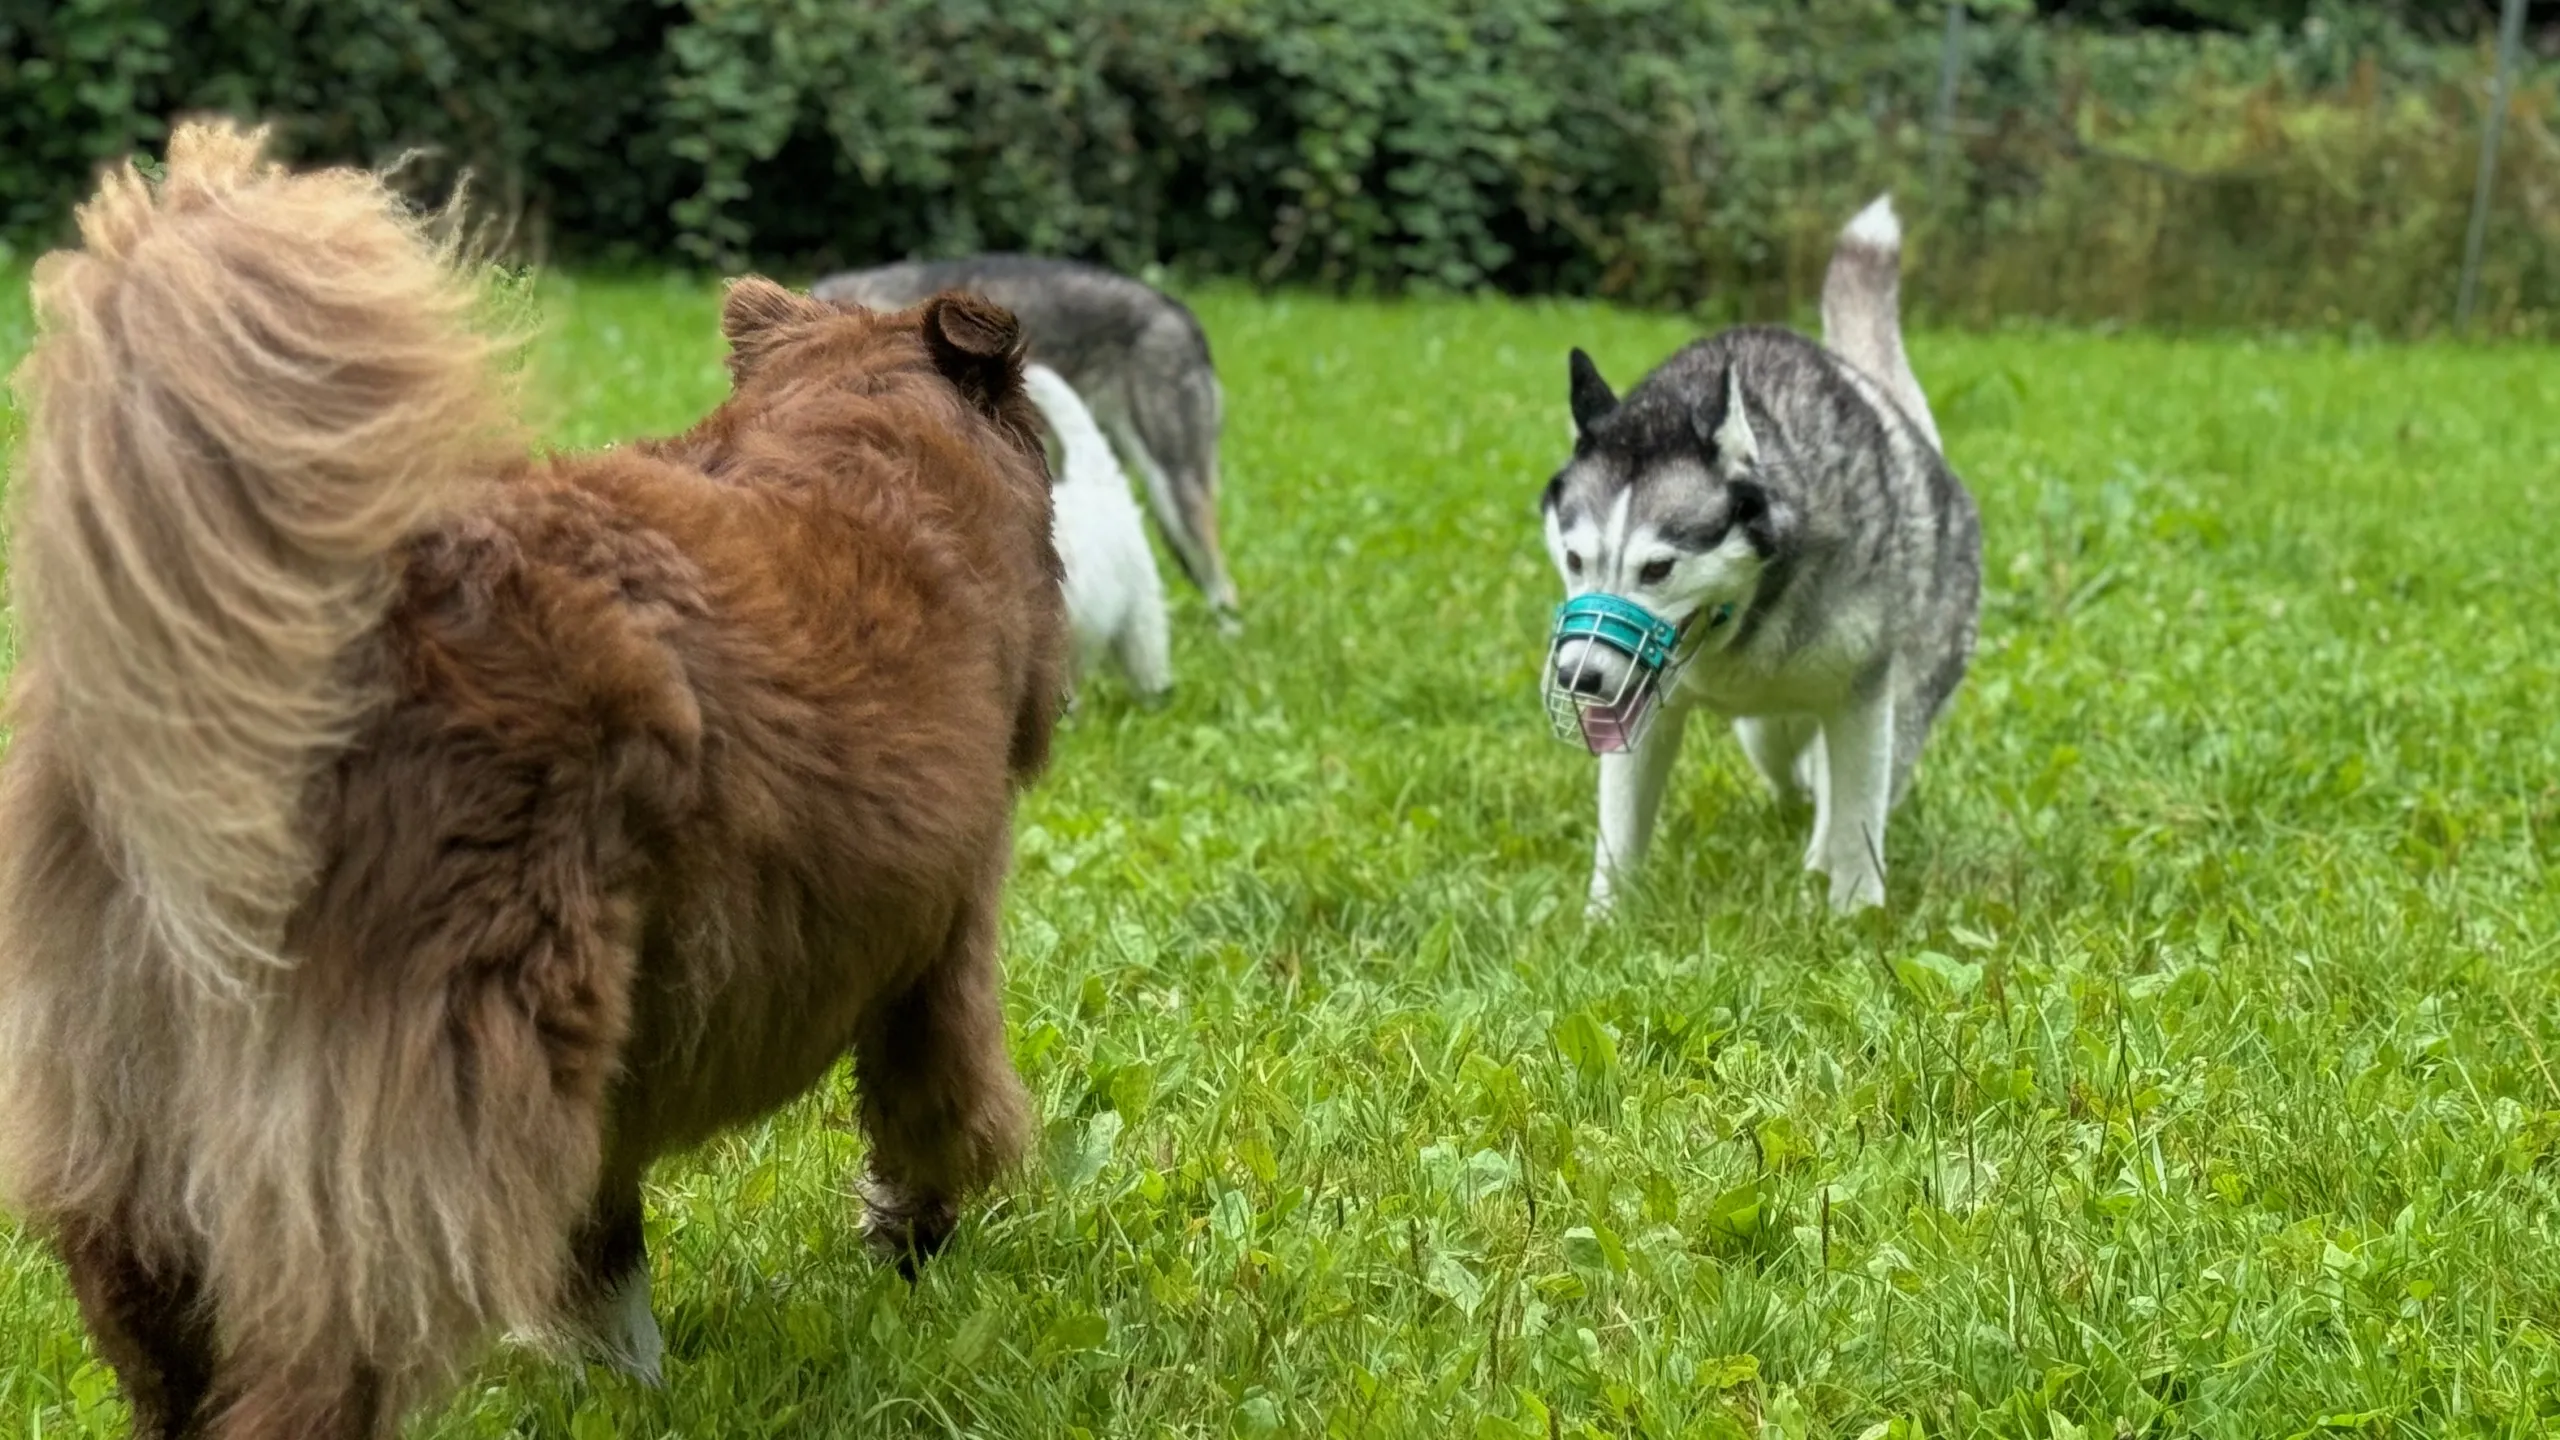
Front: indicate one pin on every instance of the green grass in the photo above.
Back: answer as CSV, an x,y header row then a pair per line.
x,y
2198,1081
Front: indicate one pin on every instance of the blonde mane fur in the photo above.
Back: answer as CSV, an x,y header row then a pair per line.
x,y
247,387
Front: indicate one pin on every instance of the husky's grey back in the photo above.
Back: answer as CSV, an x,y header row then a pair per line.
x,y
1883,533
1074,316
1882,517
1137,356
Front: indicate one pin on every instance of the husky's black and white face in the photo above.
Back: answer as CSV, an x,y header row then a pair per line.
x,y
1662,504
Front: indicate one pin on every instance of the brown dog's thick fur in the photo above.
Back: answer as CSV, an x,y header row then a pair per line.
x,y
403,842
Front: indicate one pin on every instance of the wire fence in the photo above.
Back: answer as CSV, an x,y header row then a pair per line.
x,y
2233,182
2510,32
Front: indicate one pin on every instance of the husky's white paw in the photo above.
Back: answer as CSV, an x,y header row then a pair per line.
x,y
1853,890
1602,902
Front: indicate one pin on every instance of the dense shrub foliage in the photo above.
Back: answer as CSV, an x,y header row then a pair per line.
x,y
2313,170
560,105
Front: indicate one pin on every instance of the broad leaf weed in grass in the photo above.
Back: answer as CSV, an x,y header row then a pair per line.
x,y
2198,1081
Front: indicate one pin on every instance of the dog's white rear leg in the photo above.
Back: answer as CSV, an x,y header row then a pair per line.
x,y
1631,787
1144,647
1813,772
1777,745
1857,743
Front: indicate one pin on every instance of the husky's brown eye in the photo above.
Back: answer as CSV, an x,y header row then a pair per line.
x,y
1572,563
1654,572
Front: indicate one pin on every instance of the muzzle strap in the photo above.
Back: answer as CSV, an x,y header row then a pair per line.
x,y
1621,624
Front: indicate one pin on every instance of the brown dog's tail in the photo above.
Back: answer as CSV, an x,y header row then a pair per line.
x,y
247,387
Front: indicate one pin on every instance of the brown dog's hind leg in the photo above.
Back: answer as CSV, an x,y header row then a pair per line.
x,y
149,1324
940,1099
153,1325
309,1400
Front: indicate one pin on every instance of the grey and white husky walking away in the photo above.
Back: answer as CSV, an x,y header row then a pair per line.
x,y
1787,508
1136,355
1115,599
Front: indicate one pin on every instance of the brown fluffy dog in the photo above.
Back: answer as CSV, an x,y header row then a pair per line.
x,y
404,842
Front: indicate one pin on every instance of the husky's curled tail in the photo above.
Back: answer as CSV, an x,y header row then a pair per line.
x,y
247,388
1862,310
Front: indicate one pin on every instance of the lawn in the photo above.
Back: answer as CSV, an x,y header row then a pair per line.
x,y
2198,1079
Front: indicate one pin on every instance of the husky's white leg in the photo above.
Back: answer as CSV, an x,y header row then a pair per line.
x,y
1857,744
1813,772
1777,745
1144,647
1631,786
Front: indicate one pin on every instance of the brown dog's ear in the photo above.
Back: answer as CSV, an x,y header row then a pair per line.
x,y
977,345
757,311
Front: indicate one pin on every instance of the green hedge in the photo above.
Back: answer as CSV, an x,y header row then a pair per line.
x,y
559,105
1669,152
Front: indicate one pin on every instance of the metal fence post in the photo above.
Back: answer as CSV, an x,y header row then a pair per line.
x,y
1950,66
2510,35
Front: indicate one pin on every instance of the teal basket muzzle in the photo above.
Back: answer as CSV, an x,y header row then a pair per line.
x,y
1602,692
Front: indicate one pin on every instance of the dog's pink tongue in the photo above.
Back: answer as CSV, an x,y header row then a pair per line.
x,y
1608,729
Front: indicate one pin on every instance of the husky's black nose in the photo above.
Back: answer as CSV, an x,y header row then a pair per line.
x,y
1587,680
1583,670
1586,671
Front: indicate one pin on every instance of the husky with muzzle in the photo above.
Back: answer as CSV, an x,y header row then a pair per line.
x,y
1136,355
1765,528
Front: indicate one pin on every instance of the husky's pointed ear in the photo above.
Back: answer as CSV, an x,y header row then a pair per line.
x,y
1590,395
756,312
1732,442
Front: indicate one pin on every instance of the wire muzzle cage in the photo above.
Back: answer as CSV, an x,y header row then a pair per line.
x,y
1613,715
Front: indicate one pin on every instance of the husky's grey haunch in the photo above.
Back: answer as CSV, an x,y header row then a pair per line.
x,y
1786,507
1135,354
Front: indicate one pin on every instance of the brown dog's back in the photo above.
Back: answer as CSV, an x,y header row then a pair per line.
x,y
794,726
631,791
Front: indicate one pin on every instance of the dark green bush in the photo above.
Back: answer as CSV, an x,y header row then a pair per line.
x,y
1664,152
1651,147
557,104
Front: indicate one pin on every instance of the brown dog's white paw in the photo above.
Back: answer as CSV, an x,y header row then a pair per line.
x,y
905,1227
628,1333
614,1327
